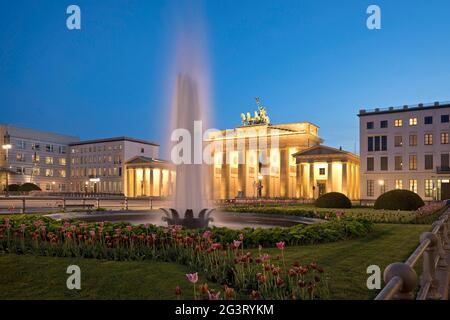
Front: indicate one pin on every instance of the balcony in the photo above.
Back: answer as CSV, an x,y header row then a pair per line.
x,y
444,170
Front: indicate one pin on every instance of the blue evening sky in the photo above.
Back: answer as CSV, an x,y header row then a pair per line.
x,y
309,60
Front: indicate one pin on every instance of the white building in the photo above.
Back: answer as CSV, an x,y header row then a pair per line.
x,y
62,163
34,156
405,148
98,165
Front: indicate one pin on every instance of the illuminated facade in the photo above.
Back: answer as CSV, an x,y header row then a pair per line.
x,y
323,169
256,160
149,177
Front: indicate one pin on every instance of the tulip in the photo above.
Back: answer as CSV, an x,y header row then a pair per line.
x,y
213,296
236,244
280,245
207,234
229,292
193,278
204,288
280,282
178,292
255,295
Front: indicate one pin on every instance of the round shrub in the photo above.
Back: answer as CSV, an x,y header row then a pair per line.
x,y
399,200
13,187
333,200
27,187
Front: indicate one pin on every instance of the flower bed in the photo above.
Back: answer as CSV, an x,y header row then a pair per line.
x,y
218,252
378,216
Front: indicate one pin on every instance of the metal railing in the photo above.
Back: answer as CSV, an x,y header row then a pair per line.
x,y
410,106
444,169
28,204
434,250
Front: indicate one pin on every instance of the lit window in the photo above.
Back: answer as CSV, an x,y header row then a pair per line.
x,y
20,157
413,121
48,160
62,161
322,171
413,185
398,123
36,172
48,172
62,173
428,188
35,158
444,138
428,139
399,184
412,162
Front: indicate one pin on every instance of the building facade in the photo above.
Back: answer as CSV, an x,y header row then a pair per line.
x,y
405,148
62,163
98,165
321,169
256,160
34,156
149,177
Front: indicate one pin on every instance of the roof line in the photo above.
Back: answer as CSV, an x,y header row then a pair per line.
x,y
122,138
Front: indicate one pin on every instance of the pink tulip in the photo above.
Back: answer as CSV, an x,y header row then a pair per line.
x,y
236,244
281,245
192,277
207,234
213,296
215,246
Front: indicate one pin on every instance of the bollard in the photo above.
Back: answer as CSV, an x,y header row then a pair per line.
x,y
151,203
126,203
64,204
98,203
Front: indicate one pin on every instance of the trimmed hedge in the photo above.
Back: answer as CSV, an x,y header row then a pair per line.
x,y
399,200
14,187
27,187
333,200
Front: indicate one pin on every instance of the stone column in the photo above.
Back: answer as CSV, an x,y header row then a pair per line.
x,y
242,172
345,190
161,183
329,177
151,182
311,186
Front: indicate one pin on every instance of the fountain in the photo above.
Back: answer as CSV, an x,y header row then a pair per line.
x,y
190,175
190,107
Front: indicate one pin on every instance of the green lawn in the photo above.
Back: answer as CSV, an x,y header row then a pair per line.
x,y
345,262
29,277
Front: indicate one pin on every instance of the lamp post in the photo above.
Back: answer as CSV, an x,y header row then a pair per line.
x,y
6,146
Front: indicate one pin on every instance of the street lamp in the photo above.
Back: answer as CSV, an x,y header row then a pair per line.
x,y
6,146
